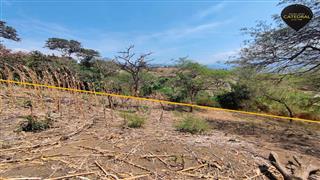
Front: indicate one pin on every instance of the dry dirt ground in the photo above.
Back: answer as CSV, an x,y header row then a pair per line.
x,y
88,141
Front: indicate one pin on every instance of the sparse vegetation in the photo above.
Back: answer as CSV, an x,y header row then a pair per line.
x,y
188,82
277,72
133,120
192,125
34,124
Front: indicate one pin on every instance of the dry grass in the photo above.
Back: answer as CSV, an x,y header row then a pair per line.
x,y
85,131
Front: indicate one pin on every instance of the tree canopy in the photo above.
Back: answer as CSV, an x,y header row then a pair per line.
x,y
278,48
193,77
8,32
87,55
66,47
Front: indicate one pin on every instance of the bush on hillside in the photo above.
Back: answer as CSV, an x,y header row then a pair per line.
x,y
33,124
235,98
192,125
133,120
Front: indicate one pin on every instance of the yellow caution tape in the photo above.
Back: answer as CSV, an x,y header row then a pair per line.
x,y
157,100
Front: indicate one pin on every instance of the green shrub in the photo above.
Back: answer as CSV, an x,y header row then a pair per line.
x,y
235,98
207,101
192,125
173,94
133,120
33,124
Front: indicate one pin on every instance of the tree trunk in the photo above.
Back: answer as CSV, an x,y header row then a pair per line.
x,y
283,103
135,86
191,102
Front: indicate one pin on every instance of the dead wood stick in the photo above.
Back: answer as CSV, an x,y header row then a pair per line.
x,y
204,161
274,160
257,175
78,131
101,151
33,158
131,151
68,163
163,161
194,155
193,168
135,165
297,160
301,171
71,175
136,177
23,178
30,147
104,171
155,155
195,175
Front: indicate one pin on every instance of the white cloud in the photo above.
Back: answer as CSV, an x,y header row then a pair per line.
x,y
188,31
165,43
109,43
211,10
40,28
195,29
220,57
162,43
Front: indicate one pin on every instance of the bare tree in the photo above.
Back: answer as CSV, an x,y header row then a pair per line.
x,y
134,66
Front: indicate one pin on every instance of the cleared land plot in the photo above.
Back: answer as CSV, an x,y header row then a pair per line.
x,y
89,139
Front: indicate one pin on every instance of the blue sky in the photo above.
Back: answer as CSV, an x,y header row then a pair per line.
x,y
206,31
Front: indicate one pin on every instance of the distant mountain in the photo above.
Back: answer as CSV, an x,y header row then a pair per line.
x,y
107,59
164,65
219,66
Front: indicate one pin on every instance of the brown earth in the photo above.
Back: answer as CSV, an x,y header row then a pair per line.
x,y
90,139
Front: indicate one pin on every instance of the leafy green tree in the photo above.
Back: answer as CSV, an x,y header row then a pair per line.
x,y
66,47
87,55
312,81
100,73
58,44
105,68
278,49
118,83
193,77
153,84
73,47
8,32
264,92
